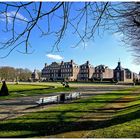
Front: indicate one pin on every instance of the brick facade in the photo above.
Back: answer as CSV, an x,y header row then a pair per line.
x,y
51,72
103,72
60,71
85,72
69,70
122,74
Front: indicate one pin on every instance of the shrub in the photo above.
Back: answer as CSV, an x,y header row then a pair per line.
x,y
4,89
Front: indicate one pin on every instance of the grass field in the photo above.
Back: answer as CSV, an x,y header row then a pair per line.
x,y
30,89
110,115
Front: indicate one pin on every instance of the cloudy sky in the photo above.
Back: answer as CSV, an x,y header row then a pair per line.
x,y
107,50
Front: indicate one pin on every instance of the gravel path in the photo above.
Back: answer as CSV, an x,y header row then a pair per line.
x,y
18,106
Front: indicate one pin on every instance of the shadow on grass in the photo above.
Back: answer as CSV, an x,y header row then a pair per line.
x,y
55,122
97,100
47,126
33,102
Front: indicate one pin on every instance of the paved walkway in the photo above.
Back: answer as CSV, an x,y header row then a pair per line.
x,y
15,107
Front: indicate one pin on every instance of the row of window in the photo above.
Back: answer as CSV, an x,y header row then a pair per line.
x,y
66,70
50,71
66,75
63,66
84,67
69,66
66,66
50,68
56,75
83,70
52,75
80,74
98,75
102,70
83,75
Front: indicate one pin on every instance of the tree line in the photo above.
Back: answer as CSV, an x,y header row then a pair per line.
x,y
14,74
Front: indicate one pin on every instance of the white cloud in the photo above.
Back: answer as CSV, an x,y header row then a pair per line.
x,y
118,35
55,57
10,16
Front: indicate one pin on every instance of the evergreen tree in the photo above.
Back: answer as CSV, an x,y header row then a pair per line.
x,y
4,89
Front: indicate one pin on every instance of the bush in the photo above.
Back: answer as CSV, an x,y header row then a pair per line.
x,y
4,89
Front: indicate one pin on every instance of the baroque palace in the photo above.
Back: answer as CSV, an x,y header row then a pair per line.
x,y
86,72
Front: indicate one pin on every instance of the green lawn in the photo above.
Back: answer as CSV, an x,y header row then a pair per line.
x,y
90,117
24,87
21,90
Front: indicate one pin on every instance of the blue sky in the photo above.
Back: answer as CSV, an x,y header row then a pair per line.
x,y
102,50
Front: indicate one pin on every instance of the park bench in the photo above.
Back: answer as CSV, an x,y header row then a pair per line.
x,y
58,98
74,95
48,100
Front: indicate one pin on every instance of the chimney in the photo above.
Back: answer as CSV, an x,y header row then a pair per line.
x,y
87,62
71,61
62,62
45,64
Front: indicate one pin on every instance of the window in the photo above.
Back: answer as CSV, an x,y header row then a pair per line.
x,y
118,75
128,75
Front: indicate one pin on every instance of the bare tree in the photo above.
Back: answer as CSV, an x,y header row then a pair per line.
x,y
83,18
10,74
67,14
130,27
